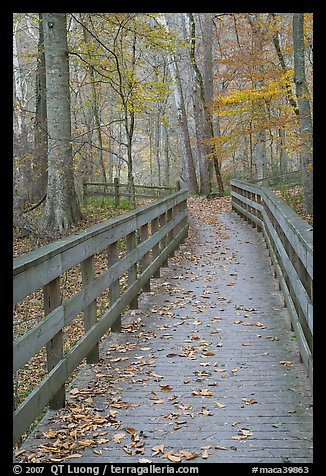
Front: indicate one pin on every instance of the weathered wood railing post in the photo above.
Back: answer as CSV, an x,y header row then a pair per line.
x,y
114,289
170,236
164,243
156,248
54,348
88,274
145,262
132,272
116,192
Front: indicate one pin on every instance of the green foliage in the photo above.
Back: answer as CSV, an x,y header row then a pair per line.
x,y
107,204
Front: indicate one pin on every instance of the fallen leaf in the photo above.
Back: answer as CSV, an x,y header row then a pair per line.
x,y
188,455
243,434
158,449
118,437
144,460
74,391
132,431
172,457
286,363
218,447
165,388
249,401
205,454
203,392
219,405
98,452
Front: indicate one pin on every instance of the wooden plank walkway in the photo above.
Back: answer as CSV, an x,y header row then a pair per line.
x,y
205,371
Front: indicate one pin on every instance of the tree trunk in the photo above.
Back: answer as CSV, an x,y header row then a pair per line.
x,y
95,108
62,208
40,166
187,155
166,157
204,173
305,120
208,132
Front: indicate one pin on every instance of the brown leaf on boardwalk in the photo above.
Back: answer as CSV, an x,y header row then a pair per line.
x,y
249,401
188,455
165,388
243,434
219,405
118,437
175,458
158,449
204,392
132,431
218,447
286,363
205,454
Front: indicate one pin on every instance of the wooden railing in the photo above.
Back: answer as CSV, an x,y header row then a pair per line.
x,y
152,233
116,189
290,243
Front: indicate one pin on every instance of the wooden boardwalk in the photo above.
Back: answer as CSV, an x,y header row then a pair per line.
x,y
205,371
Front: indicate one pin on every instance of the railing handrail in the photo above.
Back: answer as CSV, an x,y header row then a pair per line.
x,y
290,242
40,255
152,233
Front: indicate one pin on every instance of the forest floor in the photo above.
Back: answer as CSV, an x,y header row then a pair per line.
x,y
207,368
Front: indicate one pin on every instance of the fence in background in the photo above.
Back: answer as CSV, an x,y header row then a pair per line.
x,y
117,190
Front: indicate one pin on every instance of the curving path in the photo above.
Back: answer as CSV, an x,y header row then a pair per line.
x,y
206,370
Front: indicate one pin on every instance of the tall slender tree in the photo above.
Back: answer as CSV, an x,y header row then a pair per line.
x,y
40,166
306,128
62,208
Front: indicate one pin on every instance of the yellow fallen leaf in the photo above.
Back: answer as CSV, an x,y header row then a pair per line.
x,y
219,405
98,452
132,431
188,455
249,401
174,458
205,454
74,391
286,363
118,437
218,447
158,449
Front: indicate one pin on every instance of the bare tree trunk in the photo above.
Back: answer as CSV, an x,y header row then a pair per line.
x,y
187,155
189,165
40,166
203,161
306,128
166,157
95,108
21,145
258,105
62,208
157,136
208,132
